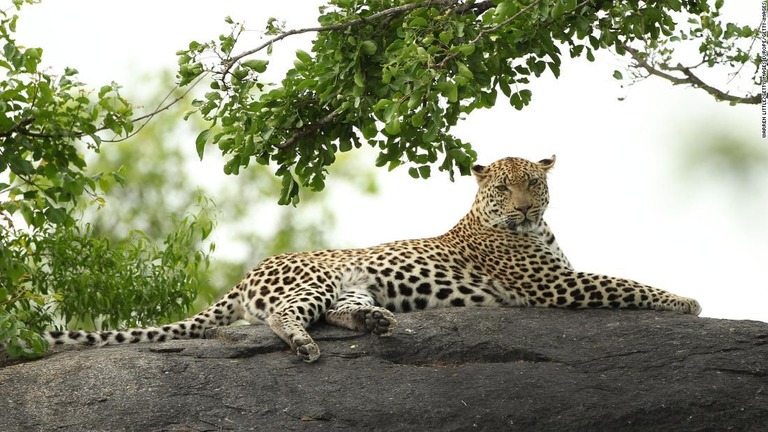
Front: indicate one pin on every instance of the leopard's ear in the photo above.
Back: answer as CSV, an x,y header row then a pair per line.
x,y
547,164
481,173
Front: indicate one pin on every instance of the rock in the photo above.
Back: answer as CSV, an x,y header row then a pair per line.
x,y
451,369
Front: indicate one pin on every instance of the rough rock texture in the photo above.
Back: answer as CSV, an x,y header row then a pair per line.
x,y
454,369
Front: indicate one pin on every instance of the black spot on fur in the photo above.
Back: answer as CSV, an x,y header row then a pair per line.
x,y
405,290
420,303
391,290
424,288
477,298
406,306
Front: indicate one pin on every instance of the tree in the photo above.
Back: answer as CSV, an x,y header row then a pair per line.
x,y
399,75
52,264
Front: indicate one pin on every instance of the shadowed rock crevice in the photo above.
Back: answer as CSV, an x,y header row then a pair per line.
x,y
453,369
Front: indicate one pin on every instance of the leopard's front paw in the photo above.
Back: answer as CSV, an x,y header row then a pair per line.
x,y
307,350
380,321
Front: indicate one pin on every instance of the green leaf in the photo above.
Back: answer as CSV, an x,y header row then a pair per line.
x,y
200,141
368,47
359,78
505,9
391,112
617,74
425,171
418,22
56,215
393,127
418,118
303,56
256,65
558,9
289,191
467,49
449,90
446,37
464,71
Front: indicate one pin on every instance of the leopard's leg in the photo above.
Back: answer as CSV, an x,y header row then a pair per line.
x,y
356,308
578,290
292,313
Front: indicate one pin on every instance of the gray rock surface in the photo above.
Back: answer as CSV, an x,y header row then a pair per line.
x,y
455,369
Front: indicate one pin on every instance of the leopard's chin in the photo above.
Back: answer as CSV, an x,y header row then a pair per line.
x,y
523,226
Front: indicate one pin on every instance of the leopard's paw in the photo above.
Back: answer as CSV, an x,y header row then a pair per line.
x,y
380,321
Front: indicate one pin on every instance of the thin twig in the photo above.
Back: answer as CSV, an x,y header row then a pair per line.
x,y
158,109
690,78
489,30
21,129
308,130
385,13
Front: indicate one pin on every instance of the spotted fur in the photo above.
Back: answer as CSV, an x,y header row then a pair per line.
x,y
501,254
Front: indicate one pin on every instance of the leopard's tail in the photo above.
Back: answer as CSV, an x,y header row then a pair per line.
x,y
224,312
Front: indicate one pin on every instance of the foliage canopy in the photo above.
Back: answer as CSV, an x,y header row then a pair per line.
x,y
52,264
399,75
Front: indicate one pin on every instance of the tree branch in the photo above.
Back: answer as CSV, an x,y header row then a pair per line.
x,y
689,79
478,8
307,130
21,127
490,30
160,108
383,14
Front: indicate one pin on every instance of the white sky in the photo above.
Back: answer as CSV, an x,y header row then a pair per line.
x,y
618,205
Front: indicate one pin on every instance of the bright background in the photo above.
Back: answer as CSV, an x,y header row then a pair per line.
x,y
628,197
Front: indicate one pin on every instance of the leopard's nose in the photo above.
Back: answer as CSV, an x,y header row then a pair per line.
x,y
523,208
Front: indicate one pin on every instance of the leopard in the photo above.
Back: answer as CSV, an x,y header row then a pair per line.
x,y
500,254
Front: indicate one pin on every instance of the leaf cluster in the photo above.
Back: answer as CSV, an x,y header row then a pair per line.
x,y
82,278
720,45
53,268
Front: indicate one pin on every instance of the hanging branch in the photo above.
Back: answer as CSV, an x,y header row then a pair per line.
x,y
689,78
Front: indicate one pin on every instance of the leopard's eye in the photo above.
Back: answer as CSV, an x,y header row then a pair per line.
x,y
533,182
502,188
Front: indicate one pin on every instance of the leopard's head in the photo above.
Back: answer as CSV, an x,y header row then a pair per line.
x,y
513,193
